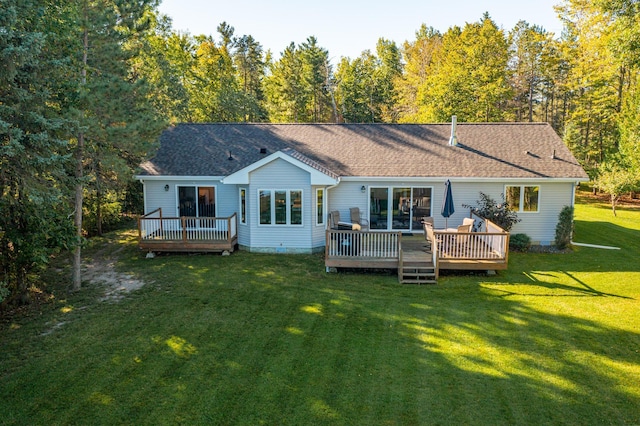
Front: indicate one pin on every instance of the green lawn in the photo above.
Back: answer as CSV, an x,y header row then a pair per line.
x,y
272,339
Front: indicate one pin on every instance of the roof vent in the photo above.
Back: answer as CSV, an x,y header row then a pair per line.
x,y
553,156
230,156
263,150
453,140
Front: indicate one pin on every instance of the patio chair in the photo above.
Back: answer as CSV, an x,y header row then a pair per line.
x,y
335,223
357,219
429,235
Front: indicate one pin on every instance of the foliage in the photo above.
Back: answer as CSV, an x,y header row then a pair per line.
x,y
615,179
298,88
499,213
564,228
364,88
519,242
32,153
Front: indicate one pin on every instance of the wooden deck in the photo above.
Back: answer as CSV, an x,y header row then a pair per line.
x,y
187,234
417,260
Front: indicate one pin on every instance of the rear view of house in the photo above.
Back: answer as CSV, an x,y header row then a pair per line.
x,y
271,187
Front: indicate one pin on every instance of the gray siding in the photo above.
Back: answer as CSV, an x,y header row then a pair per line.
x,y
282,175
539,226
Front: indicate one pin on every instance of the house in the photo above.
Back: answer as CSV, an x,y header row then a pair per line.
x,y
281,181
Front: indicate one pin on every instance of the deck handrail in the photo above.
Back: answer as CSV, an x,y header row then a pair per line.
x,y
362,244
490,244
153,226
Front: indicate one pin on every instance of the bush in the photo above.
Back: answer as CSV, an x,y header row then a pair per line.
x,y
564,228
519,242
500,214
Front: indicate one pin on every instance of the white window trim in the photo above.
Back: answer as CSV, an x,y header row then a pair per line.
x,y
324,207
246,211
197,187
273,223
521,201
390,189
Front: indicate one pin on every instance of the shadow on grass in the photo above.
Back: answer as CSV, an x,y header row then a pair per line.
x,y
252,338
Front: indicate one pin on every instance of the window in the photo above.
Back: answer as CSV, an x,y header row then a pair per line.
x,y
523,198
319,206
197,201
243,206
280,207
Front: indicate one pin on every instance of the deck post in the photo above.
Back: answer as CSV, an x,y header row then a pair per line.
x,y
160,219
184,229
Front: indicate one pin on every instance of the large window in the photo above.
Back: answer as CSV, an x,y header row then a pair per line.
x,y
523,198
280,207
197,201
403,210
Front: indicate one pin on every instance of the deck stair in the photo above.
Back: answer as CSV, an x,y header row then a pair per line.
x,y
416,267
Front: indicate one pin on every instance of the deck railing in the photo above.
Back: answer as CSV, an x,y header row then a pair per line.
x,y
491,243
154,227
362,244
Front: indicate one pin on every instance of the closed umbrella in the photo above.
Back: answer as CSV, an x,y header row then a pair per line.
x,y
447,205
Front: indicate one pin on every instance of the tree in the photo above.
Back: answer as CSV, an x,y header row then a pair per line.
x,y
595,78
33,220
298,87
531,47
116,115
419,57
614,179
468,75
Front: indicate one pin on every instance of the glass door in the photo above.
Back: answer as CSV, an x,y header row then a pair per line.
x,y
401,208
421,206
204,205
378,208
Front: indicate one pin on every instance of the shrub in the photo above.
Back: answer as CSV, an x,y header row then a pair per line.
x,y
564,228
500,214
519,242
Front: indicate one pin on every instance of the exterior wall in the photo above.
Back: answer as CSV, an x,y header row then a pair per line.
x,y
539,226
281,175
155,196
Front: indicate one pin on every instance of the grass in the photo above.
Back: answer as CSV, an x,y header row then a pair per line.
x,y
273,339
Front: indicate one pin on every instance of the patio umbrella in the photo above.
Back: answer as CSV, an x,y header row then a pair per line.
x,y
447,205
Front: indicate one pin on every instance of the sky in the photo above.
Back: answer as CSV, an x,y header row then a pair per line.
x,y
346,28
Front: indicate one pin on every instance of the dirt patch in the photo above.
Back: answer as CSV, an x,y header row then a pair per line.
x,y
101,271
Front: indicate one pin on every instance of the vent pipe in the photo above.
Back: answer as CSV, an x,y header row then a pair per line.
x,y
453,140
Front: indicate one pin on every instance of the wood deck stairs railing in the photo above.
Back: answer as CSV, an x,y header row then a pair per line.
x,y
416,267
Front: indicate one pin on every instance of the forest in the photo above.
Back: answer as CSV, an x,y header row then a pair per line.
x,y
86,87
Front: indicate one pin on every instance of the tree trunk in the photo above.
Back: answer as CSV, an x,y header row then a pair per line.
x,y
77,220
76,266
98,200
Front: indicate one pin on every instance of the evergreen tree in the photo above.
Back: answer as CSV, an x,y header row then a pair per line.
x,y
33,220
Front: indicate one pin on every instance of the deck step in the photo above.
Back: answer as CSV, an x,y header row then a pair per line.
x,y
418,275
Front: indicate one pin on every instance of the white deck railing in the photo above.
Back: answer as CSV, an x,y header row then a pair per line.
x,y
362,244
154,227
492,244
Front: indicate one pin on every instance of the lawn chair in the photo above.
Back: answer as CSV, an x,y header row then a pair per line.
x,y
335,223
429,235
357,219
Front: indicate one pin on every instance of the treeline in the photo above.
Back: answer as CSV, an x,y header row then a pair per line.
x,y
87,85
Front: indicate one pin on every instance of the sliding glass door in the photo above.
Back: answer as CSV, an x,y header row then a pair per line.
x,y
399,208
202,205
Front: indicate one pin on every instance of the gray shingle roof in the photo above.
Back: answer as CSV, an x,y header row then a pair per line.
x,y
485,150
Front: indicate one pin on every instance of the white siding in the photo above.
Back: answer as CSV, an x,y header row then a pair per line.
x,y
282,175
